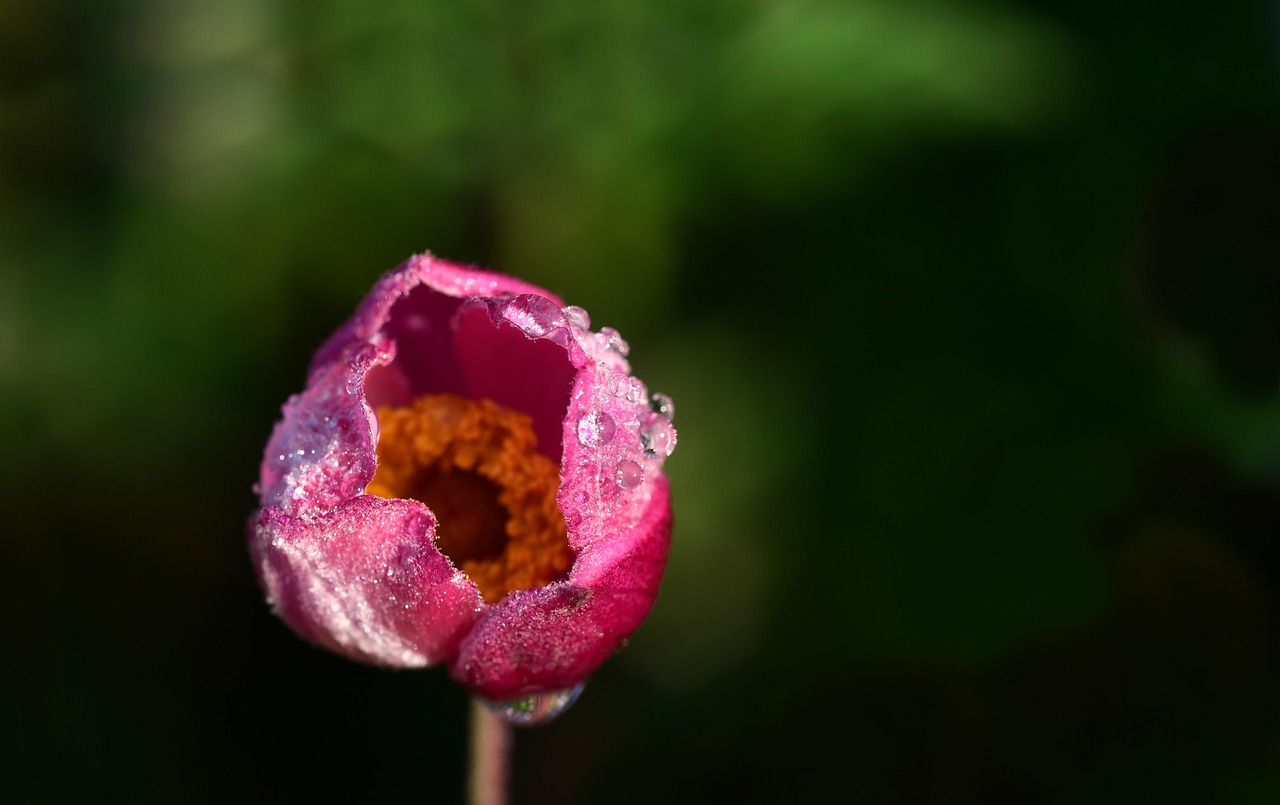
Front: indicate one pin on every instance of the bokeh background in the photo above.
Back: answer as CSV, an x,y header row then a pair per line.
x,y
971,313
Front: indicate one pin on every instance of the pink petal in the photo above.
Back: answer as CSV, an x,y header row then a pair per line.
x,y
450,279
553,637
365,580
502,363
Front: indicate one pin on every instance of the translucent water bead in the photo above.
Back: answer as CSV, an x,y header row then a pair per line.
x,y
663,405
629,475
656,435
533,314
596,428
577,317
537,708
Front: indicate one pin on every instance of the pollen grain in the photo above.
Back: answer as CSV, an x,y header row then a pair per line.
x,y
475,464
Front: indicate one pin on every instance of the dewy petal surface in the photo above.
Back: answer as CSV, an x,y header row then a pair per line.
x,y
553,637
366,581
363,575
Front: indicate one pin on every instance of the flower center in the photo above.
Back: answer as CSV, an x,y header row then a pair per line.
x,y
476,465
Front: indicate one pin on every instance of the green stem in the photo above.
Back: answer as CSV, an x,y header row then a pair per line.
x,y
490,757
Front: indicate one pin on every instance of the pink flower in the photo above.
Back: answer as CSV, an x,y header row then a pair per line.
x,y
472,477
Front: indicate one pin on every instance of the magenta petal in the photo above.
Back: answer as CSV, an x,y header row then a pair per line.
x,y
365,580
450,279
500,362
553,637
322,452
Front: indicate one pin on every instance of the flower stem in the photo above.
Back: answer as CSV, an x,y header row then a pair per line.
x,y
490,757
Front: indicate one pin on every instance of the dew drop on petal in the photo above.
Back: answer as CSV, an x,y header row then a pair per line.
x,y
620,385
615,341
657,436
385,348
624,385
629,474
350,487
560,335
663,405
596,428
372,418
417,525
535,315
577,317
637,392
537,708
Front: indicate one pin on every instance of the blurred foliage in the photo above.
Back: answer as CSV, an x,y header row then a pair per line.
x,y
967,310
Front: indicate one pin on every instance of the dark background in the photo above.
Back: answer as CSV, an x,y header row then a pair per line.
x,y
970,310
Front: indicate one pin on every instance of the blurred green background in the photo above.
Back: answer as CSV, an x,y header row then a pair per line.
x,y
969,309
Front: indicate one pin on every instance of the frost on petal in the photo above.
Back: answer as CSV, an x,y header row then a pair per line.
x,y
617,508
365,581
450,280
553,637
606,471
322,451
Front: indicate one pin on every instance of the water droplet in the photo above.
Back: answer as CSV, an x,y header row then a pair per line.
x,y
615,341
637,392
578,317
596,428
350,487
656,435
385,349
535,315
560,336
628,387
417,525
663,405
629,474
537,708
619,385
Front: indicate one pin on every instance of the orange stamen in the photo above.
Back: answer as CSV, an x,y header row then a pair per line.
x,y
476,465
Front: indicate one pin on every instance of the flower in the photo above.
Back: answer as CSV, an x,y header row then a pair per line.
x,y
471,477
